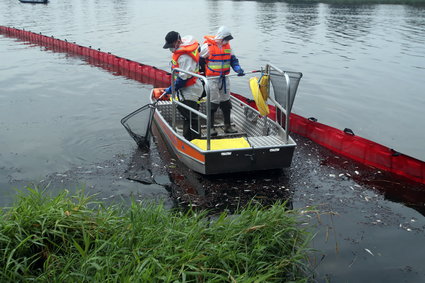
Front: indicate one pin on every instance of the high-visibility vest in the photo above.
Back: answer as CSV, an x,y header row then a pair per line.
x,y
218,62
191,50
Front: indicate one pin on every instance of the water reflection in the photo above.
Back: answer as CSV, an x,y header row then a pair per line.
x,y
120,12
267,17
390,186
215,17
415,17
349,24
413,34
302,19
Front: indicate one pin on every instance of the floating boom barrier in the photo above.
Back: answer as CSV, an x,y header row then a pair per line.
x,y
344,143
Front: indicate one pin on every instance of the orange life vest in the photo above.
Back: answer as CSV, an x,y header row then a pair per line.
x,y
218,62
191,50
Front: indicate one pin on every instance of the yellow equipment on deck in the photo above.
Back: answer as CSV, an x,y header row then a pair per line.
x,y
220,144
260,93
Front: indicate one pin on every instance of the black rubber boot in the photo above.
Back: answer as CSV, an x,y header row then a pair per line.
x,y
226,107
189,127
213,132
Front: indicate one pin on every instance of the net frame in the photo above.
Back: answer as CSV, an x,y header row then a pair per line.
x,y
280,87
285,86
141,136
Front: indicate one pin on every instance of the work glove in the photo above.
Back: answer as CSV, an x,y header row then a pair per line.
x,y
179,83
168,90
239,70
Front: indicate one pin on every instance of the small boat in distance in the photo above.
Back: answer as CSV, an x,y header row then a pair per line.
x,y
34,1
260,143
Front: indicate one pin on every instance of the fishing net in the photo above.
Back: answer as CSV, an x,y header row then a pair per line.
x,y
138,124
280,87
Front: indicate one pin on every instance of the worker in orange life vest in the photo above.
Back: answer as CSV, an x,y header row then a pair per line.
x,y
189,88
219,57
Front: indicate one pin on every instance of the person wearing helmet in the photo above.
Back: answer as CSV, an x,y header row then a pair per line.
x,y
219,57
189,88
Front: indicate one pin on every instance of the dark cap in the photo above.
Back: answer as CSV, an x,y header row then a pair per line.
x,y
229,37
171,38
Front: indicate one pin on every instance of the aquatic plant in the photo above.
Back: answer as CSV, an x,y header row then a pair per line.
x,y
75,238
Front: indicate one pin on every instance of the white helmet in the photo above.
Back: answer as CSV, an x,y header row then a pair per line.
x,y
223,33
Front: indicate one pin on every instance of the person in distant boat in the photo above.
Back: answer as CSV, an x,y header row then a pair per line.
x,y
218,57
189,88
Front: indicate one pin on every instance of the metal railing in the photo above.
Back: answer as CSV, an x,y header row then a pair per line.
x,y
287,112
268,69
192,111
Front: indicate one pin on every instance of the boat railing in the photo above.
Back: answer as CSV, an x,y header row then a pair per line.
x,y
192,111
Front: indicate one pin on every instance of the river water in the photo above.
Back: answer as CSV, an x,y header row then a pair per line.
x,y
363,69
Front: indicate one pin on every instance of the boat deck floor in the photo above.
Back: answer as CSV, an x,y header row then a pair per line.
x,y
251,130
219,127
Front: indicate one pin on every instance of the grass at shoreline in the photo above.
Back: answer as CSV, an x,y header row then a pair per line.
x,y
72,238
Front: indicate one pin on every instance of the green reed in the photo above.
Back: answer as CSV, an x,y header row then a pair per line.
x,y
76,239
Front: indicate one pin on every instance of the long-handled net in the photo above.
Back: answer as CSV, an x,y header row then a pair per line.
x,y
138,124
280,87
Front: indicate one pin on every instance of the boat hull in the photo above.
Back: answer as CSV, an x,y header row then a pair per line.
x,y
248,160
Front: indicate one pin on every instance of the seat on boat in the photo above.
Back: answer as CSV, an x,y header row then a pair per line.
x,y
220,144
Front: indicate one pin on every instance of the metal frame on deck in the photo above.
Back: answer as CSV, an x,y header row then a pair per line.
x,y
287,112
175,102
269,67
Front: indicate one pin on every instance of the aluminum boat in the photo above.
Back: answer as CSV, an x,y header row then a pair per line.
x,y
260,143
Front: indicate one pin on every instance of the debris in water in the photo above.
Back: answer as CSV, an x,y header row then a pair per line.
x,y
369,252
354,259
405,228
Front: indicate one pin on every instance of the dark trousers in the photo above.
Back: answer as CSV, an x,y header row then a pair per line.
x,y
190,120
